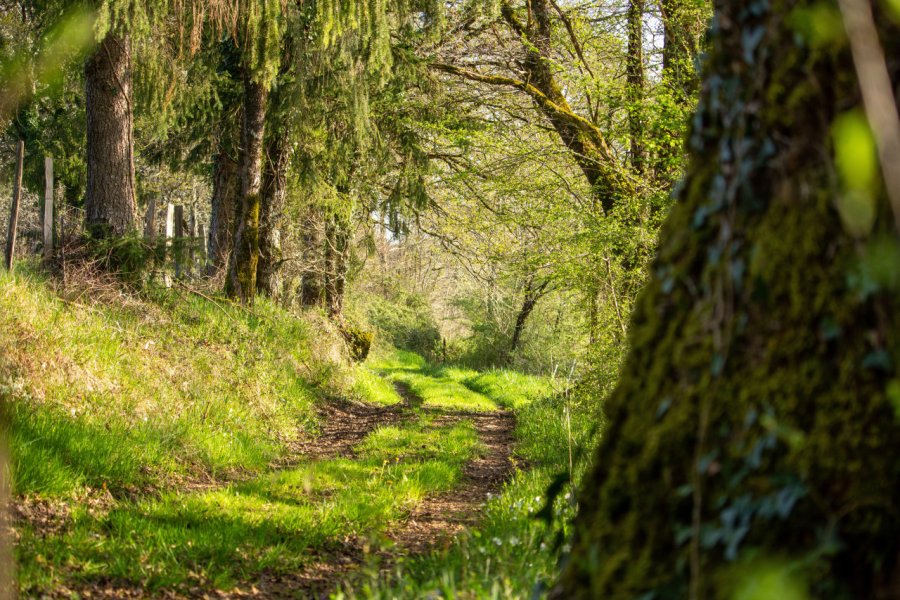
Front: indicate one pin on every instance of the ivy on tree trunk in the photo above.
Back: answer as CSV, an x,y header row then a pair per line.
x,y
754,414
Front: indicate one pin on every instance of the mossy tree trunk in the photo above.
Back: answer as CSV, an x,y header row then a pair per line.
x,y
110,200
240,282
533,292
337,247
226,190
274,192
753,415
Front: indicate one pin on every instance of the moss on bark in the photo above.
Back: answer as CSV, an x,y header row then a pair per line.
x,y
752,417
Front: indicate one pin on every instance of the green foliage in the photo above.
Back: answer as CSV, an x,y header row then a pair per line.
x,y
358,340
406,322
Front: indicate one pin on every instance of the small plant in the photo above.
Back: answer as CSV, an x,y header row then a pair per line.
x,y
359,341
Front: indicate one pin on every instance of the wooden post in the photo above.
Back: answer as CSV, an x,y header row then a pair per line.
x,y
170,231
14,208
203,250
48,208
192,235
61,228
179,238
150,221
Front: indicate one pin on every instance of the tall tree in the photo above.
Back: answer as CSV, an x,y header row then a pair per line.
x,y
240,280
756,414
110,197
533,25
259,42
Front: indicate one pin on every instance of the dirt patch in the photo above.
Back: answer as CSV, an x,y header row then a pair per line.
x,y
440,517
344,426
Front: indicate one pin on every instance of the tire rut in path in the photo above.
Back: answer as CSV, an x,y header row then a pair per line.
x,y
434,521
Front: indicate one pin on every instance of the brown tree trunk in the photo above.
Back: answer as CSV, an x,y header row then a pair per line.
x,y
337,245
240,282
226,190
274,192
312,276
532,295
753,431
110,201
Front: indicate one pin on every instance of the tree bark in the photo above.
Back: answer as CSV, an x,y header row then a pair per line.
x,y
337,244
110,199
635,82
312,275
274,192
226,190
532,295
240,282
753,415
681,45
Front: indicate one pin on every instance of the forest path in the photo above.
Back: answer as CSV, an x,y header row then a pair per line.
x,y
432,522
374,485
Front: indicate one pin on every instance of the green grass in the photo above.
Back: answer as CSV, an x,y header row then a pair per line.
x,y
458,388
370,387
511,553
145,393
269,523
148,389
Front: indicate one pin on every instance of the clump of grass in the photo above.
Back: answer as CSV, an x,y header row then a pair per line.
x,y
220,537
370,387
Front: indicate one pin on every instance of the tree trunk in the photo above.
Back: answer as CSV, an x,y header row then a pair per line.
x,y
753,416
681,44
226,189
109,202
274,192
312,274
337,238
532,295
241,280
635,81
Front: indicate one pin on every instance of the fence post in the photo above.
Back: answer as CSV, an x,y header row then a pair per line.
x,y
150,221
14,208
203,250
192,234
179,238
170,231
61,228
48,208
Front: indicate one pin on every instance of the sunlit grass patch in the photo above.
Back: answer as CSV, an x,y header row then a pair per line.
x,y
443,392
374,389
511,553
397,360
220,537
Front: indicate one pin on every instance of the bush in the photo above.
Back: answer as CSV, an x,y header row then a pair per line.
x,y
406,322
359,341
